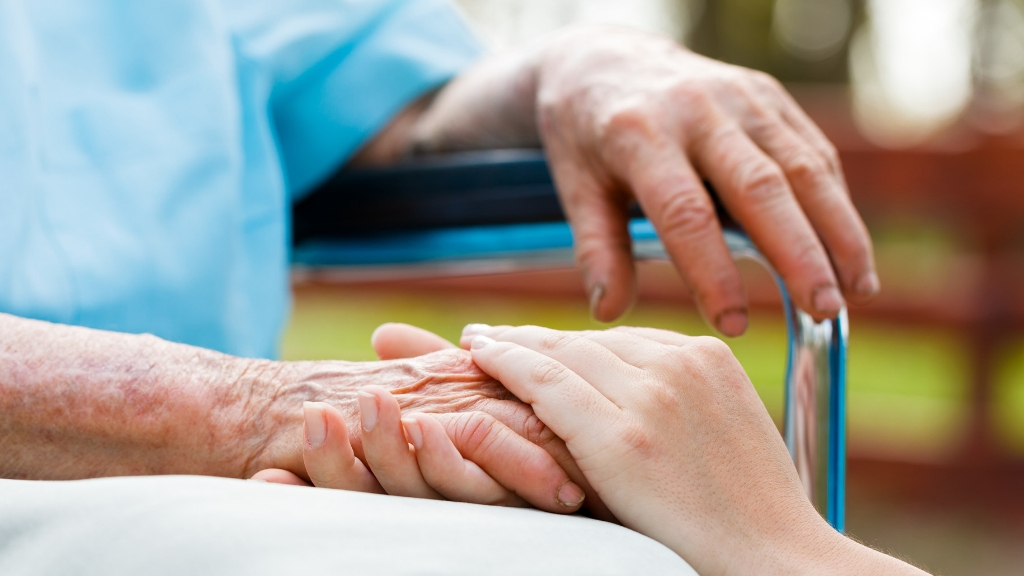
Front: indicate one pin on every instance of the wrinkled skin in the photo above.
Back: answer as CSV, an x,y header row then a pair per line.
x,y
624,115
467,455
82,403
441,382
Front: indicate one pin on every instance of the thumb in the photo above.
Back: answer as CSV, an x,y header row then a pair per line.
x,y
392,341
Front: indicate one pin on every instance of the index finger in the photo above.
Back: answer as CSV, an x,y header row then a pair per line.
x,y
568,404
516,463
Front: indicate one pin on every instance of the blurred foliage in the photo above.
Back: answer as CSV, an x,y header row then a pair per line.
x,y
1008,399
741,32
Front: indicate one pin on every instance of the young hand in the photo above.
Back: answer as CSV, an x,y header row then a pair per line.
x,y
670,432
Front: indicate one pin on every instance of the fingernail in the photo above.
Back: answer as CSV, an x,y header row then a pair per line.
x,y
474,329
413,430
257,480
316,425
868,284
570,494
732,322
480,341
827,300
596,294
367,410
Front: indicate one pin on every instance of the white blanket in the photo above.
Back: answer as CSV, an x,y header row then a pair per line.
x,y
176,525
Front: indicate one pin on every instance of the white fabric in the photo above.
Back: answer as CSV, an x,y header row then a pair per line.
x,y
174,525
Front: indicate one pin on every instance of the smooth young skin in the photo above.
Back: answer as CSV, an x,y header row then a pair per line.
x,y
672,435
625,115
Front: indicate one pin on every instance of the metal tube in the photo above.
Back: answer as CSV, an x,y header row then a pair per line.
x,y
815,387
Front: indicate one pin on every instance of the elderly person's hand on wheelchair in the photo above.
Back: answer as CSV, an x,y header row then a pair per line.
x,y
623,116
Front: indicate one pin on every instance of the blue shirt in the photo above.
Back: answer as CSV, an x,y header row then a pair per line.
x,y
149,150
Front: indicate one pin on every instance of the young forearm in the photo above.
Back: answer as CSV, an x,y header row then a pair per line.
x,y
852,558
79,403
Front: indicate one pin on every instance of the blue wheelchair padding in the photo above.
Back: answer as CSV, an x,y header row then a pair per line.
x,y
424,246
444,245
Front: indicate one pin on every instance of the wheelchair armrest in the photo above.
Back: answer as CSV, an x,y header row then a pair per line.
x,y
469,189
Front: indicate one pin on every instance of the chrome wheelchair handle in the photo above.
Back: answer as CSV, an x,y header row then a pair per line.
x,y
815,385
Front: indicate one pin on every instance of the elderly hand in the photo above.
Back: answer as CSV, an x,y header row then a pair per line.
x,y
81,403
624,115
627,115
467,455
671,433
428,456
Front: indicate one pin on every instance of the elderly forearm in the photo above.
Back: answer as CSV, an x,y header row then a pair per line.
x,y
490,105
79,403
499,102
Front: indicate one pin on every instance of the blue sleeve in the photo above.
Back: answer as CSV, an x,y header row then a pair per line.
x,y
339,70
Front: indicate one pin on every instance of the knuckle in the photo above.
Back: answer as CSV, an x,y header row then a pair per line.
x,y
809,255
546,372
624,129
537,432
807,167
553,340
766,80
664,398
640,440
473,432
594,244
767,87
831,155
762,183
630,117
692,96
685,214
710,347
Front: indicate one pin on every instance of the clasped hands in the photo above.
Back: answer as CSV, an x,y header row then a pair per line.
x,y
664,431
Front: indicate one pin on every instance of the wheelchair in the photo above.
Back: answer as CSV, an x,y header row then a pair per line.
x,y
497,212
